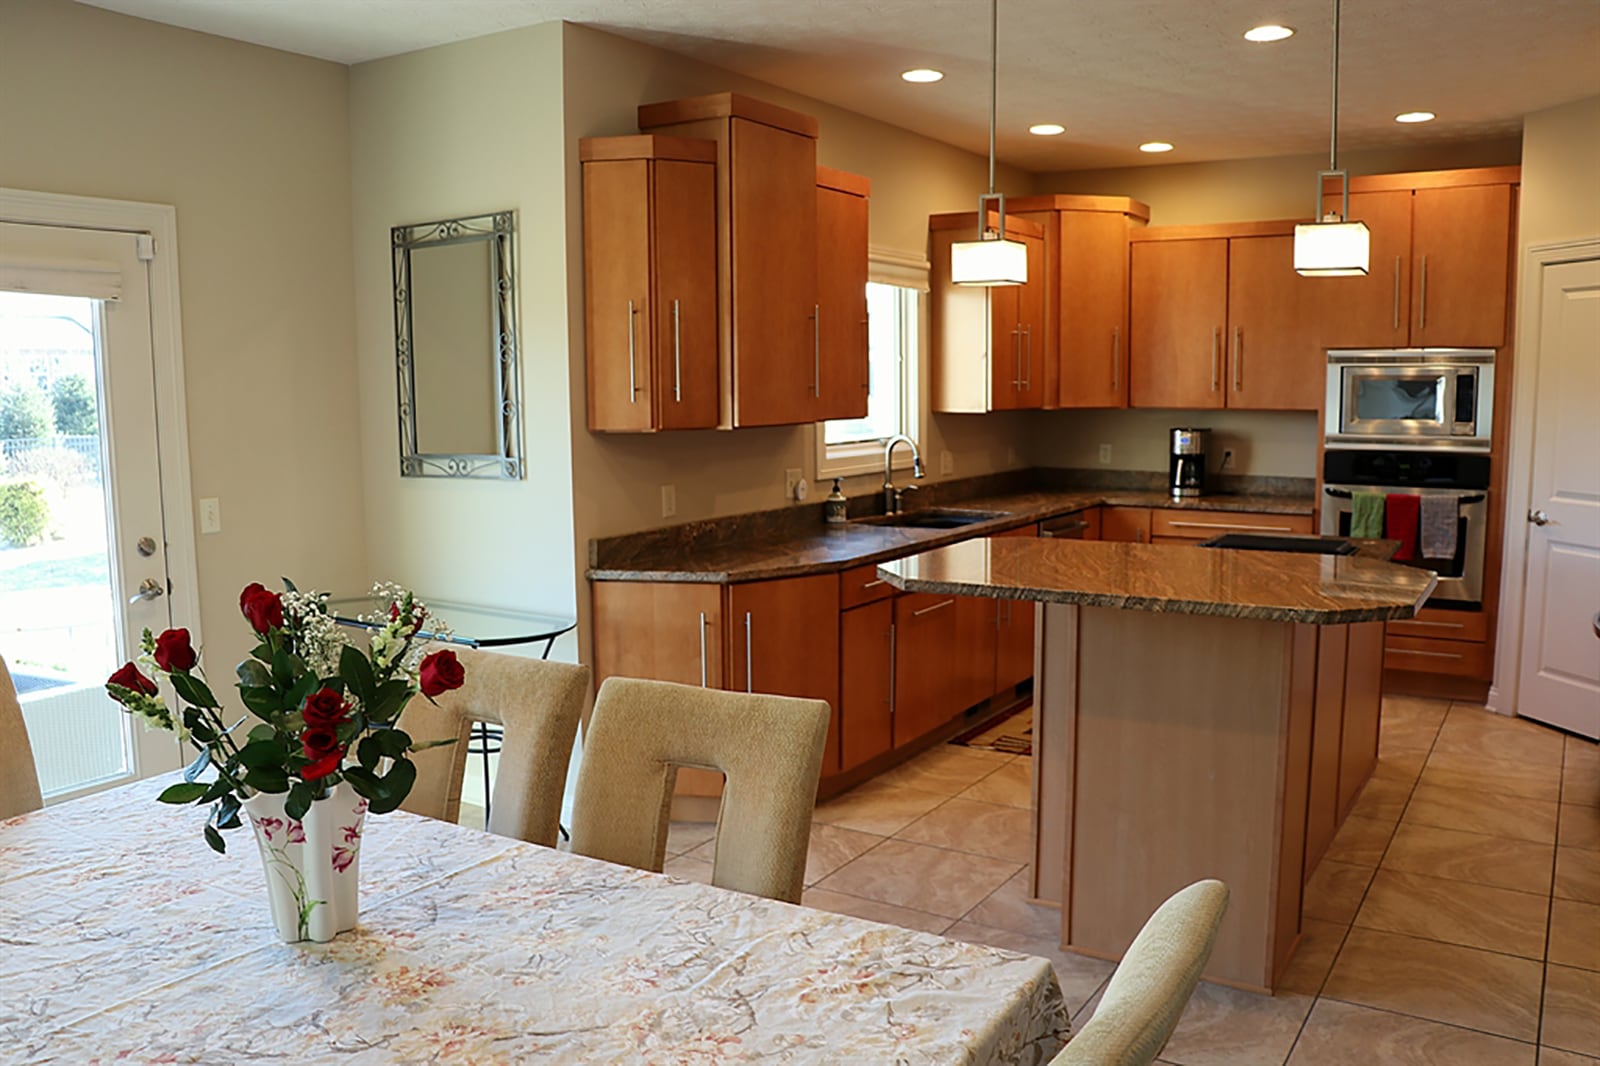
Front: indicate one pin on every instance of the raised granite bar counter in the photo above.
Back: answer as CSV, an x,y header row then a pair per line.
x,y
1271,586
1198,712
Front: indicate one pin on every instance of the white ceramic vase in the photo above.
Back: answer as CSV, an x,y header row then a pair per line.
x,y
313,865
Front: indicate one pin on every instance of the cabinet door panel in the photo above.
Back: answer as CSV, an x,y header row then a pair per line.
x,y
774,263
1005,348
1178,308
1275,357
658,630
616,274
1093,326
784,637
1033,335
1460,250
1125,524
685,262
927,673
842,302
866,667
1374,311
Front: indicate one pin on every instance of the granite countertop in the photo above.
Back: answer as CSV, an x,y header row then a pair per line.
x,y
1169,578
694,553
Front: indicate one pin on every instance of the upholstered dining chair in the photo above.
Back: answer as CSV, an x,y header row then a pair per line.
x,y
768,747
538,704
1146,995
19,781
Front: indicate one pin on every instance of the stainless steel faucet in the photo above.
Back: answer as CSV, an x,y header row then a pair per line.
x,y
893,497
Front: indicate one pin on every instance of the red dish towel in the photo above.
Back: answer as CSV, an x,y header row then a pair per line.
x,y
1400,513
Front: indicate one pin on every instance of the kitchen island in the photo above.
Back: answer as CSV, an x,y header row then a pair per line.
x,y
1198,713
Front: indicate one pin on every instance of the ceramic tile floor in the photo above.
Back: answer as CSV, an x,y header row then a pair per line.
x,y
1455,921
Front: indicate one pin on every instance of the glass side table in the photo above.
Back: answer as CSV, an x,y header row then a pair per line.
x,y
473,627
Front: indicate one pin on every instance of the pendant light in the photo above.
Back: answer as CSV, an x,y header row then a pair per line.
x,y
991,259
1332,247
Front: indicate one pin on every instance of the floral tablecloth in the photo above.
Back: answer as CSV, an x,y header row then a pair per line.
x,y
124,939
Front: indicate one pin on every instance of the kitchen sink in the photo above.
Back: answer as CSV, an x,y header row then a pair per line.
x,y
936,518
1307,545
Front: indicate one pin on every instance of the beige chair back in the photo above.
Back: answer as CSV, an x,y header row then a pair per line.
x,y
769,748
1152,984
538,704
19,781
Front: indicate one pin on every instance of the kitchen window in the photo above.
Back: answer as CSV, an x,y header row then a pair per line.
x,y
894,321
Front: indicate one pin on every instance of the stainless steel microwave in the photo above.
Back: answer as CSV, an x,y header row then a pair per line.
x,y
1412,397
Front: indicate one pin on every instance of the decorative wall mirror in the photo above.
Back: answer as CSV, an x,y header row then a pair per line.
x,y
455,330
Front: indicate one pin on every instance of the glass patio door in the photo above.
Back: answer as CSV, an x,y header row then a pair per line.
x,y
82,546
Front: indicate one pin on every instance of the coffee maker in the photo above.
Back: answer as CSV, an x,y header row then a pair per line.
x,y
1187,466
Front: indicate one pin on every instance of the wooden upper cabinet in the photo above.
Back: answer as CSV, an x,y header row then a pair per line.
x,y
1275,359
1178,310
650,303
842,201
988,342
1460,248
766,236
1372,311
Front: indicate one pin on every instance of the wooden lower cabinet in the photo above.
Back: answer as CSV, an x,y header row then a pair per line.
x,y
866,683
944,660
664,631
1125,524
784,640
1203,525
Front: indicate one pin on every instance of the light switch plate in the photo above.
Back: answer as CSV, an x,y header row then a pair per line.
x,y
1105,455
210,515
669,500
791,478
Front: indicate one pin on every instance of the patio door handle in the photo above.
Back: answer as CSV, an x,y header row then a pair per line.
x,y
149,589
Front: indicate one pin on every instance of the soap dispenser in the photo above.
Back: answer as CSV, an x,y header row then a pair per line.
x,y
836,508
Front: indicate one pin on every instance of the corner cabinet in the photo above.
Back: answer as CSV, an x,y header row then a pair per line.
x,y
766,238
841,326
988,342
650,273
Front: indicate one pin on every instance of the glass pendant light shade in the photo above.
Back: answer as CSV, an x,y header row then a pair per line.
x,y
989,262
1332,249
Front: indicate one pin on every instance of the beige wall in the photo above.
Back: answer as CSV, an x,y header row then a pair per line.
x,y
1561,173
251,146
468,129
1264,443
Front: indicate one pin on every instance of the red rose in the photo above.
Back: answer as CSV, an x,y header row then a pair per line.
x,y
321,745
324,708
261,607
129,677
174,653
441,672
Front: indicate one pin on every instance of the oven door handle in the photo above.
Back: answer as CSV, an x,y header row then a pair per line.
x,y
1345,494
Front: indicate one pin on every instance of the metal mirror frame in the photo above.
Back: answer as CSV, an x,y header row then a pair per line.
x,y
498,231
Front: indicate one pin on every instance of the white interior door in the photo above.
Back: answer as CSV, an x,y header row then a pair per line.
x,y
86,574
1560,667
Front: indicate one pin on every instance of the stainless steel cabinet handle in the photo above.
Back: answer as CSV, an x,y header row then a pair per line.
x,y
1422,322
1439,625
1216,349
1238,358
1539,518
677,358
149,589
1016,357
1397,292
891,668
873,584
1116,357
1027,366
633,380
702,649
749,681
930,610
1231,525
1425,654
1138,536
816,350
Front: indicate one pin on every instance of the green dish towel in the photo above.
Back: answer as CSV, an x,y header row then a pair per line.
x,y
1366,514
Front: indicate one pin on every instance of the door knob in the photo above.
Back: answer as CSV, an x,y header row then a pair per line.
x,y
149,589
1538,518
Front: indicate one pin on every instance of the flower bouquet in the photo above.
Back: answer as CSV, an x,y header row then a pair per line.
x,y
319,698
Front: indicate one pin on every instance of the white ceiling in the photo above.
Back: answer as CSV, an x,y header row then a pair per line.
x,y
1114,72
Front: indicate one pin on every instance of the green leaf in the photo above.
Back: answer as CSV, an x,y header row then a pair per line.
x,y
214,838
227,813
390,700
267,779
299,801
363,780
302,689
392,742
288,586
264,701
198,767
357,674
193,690
217,789
259,753
183,792
367,753
396,785
253,675
424,745
262,732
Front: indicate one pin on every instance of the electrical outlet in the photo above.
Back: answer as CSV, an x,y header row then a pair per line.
x,y
210,515
1105,455
1227,460
791,477
947,464
669,500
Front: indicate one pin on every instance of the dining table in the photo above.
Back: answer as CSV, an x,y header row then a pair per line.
x,y
124,939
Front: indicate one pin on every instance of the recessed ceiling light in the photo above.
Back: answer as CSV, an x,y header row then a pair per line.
x,y
1415,116
1265,34
923,74
1155,146
1047,129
